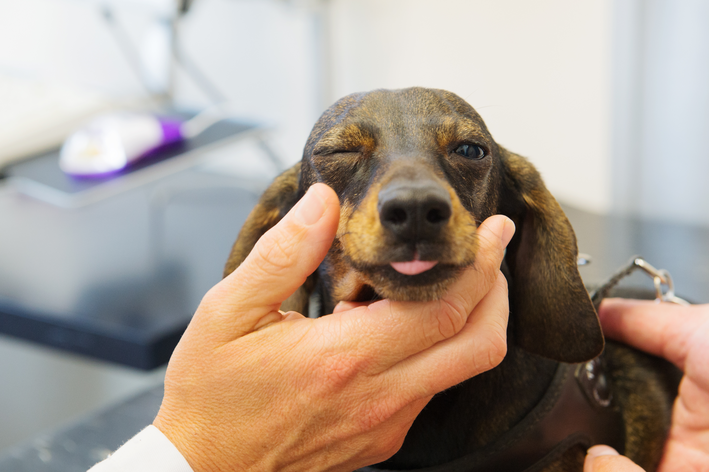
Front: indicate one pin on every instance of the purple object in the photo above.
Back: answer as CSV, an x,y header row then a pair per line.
x,y
171,130
111,143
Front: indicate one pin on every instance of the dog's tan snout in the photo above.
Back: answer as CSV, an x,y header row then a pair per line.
x,y
414,210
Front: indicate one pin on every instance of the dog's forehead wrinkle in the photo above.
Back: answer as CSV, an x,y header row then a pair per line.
x,y
347,136
466,129
406,120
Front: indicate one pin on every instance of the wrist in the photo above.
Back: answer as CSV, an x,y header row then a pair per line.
x,y
190,443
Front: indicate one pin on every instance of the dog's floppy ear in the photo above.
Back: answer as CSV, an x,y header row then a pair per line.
x,y
553,314
275,202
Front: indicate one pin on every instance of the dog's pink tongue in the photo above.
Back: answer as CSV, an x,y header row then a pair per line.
x,y
413,267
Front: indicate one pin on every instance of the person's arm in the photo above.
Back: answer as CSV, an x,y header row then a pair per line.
x,y
679,334
251,388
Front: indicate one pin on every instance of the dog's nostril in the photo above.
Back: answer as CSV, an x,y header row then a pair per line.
x,y
438,215
396,216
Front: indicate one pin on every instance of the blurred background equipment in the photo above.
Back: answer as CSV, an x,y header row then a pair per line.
x,y
36,115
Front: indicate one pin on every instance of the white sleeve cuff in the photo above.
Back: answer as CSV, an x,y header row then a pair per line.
x,y
147,451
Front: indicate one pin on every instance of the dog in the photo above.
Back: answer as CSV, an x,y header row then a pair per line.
x,y
416,171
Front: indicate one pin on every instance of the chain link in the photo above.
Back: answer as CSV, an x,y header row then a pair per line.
x,y
660,278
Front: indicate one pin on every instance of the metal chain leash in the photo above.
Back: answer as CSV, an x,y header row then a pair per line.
x,y
660,277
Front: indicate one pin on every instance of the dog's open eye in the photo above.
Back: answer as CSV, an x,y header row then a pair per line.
x,y
470,151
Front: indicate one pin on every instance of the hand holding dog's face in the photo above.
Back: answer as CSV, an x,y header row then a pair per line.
x,y
249,388
416,171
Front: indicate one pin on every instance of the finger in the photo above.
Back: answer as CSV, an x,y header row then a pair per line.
x,y
392,331
276,317
278,264
347,306
661,329
606,459
493,236
480,346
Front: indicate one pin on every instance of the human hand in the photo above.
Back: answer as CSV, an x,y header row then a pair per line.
x,y
679,334
607,459
249,388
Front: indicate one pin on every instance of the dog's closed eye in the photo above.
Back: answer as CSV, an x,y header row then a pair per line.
x,y
329,151
350,138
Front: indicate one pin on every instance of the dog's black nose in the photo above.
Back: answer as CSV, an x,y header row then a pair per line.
x,y
414,210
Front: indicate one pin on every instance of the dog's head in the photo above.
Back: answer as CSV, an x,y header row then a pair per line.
x,y
416,171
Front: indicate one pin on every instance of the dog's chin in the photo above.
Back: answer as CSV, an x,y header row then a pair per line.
x,y
429,285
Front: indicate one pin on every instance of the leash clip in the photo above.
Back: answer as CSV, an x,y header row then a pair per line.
x,y
660,277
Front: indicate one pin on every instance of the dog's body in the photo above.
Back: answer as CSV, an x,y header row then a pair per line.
x,y
416,170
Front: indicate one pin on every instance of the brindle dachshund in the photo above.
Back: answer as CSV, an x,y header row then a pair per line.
x,y
416,170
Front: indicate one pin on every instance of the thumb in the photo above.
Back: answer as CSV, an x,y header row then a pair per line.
x,y
278,264
606,459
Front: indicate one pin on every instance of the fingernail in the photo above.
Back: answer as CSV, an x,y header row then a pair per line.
x,y
601,450
311,207
508,230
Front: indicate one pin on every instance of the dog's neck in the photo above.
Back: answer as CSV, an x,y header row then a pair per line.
x,y
474,414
